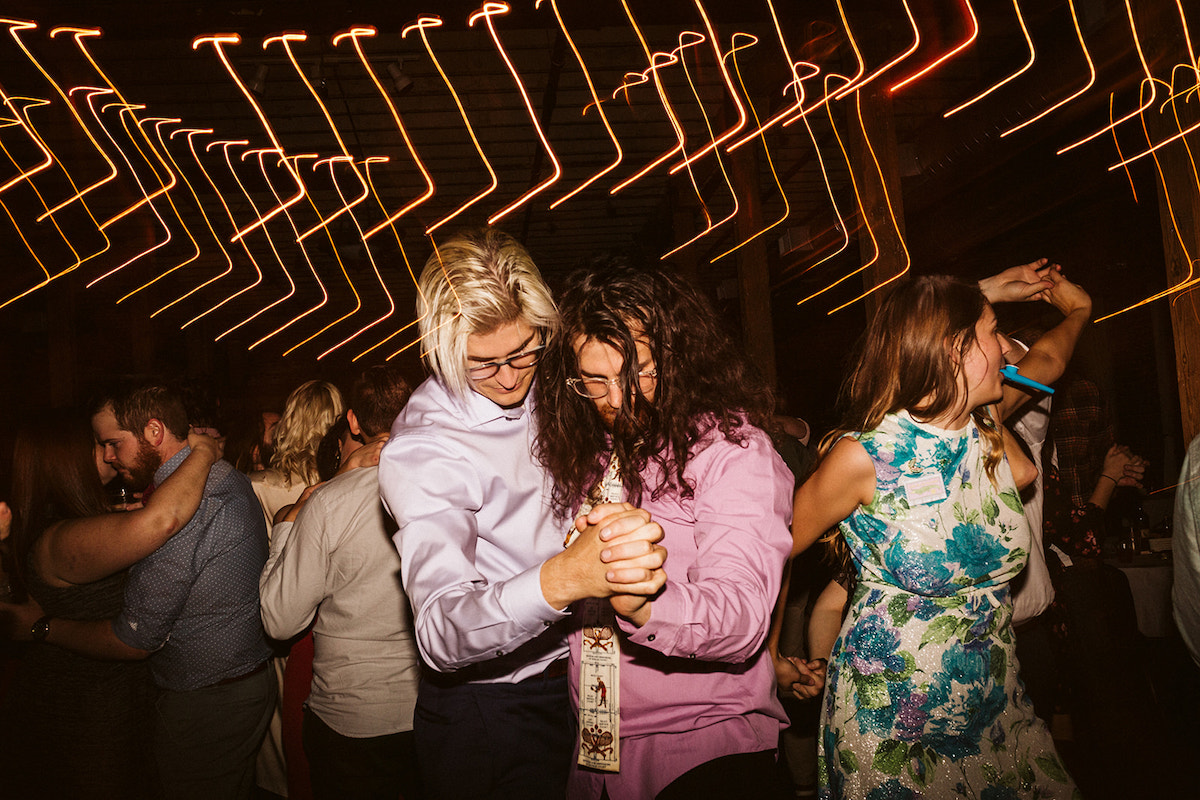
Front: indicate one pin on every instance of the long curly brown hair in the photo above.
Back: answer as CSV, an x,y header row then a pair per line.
x,y
704,382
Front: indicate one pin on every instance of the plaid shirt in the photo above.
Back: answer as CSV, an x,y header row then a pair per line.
x,y
1082,435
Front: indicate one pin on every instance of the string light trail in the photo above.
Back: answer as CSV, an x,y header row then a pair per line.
x,y
353,36
1137,45
258,154
189,133
972,35
1013,76
596,102
218,43
435,22
1079,93
14,28
733,94
303,252
486,13
370,257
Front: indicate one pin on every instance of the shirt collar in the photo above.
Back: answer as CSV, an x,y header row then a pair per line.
x,y
170,465
478,410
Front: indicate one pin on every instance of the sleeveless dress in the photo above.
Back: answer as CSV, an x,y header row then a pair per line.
x,y
77,727
923,697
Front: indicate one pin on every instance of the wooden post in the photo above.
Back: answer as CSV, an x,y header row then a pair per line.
x,y
754,282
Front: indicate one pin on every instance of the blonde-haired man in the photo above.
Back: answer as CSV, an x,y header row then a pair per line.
x,y
482,555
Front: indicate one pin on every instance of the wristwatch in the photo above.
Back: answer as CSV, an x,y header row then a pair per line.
x,y
40,629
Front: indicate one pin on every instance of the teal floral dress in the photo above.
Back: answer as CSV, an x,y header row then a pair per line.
x,y
923,698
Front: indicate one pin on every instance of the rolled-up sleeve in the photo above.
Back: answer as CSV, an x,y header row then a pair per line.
x,y
473,600
728,549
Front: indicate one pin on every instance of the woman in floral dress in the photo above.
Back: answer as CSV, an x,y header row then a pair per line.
x,y
922,697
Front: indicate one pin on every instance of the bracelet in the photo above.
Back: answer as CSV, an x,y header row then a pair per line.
x,y
1111,478
40,629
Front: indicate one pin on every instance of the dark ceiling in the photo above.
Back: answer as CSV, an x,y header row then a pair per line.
x,y
173,269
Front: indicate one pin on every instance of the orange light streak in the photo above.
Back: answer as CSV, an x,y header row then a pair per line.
x,y
435,22
345,273
1013,76
158,123
225,144
486,12
21,120
285,40
78,35
595,101
1190,280
653,59
218,43
1137,44
303,251
1065,100
891,213
796,84
136,179
6,123
258,153
861,82
1117,143
1172,138
191,132
720,162
370,257
14,26
353,35
963,45
733,93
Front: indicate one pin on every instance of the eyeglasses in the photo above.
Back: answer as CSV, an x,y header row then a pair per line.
x,y
523,360
595,388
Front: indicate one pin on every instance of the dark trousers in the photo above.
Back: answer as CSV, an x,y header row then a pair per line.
x,y
371,768
733,777
494,740
206,740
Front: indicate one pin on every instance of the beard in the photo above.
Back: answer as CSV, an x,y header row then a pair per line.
x,y
141,472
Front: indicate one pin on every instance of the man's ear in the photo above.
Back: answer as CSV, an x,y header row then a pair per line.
x,y
352,421
154,432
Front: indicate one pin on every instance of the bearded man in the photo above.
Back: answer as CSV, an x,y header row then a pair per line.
x,y
645,400
191,607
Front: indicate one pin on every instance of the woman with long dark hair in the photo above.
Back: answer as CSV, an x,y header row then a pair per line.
x,y
74,726
922,695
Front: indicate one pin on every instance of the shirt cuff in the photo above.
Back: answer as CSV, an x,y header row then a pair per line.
x,y
522,599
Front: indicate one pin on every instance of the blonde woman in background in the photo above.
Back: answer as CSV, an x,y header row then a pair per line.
x,y
310,411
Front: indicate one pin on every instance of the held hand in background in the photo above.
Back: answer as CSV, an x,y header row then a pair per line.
x,y
1021,283
5,521
1066,296
1124,468
804,679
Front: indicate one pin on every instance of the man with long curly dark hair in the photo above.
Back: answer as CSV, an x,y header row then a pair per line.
x,y
482,556
643,389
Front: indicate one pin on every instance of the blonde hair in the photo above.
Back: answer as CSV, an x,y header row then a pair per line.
x,y
310,411
473,283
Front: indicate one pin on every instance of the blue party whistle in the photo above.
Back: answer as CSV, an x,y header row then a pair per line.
x,y
1009,371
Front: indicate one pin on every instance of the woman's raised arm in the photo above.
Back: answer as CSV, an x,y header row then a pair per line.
x,y
83,550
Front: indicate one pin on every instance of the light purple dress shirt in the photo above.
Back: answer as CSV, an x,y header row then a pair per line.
x,y
475,525
697,682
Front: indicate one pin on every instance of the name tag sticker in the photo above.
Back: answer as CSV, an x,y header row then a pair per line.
x,y
926,489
